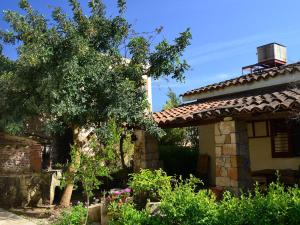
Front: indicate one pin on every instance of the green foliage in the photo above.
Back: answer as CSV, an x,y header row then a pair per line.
x,y
173,100
150,182
173,136
178,136
75,216
185,204
81,70
185,159
129,215
277,206
115,202
98,158
84,68
88,167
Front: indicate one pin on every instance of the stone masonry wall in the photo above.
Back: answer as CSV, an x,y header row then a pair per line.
x,y
24,190
145,151
20,160
18,155
232,155
14,160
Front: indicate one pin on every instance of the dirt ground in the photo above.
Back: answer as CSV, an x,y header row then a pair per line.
x,y
39,216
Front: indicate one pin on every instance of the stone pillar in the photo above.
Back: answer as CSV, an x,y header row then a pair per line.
x,y
232,155
145,151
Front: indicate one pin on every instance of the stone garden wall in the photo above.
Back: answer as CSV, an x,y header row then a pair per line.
x,y
19,155
28,190
22,182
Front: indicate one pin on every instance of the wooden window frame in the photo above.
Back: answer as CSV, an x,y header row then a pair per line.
x,y
290,153
253,129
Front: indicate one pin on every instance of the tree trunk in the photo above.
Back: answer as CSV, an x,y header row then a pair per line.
x,y
66,197
123,136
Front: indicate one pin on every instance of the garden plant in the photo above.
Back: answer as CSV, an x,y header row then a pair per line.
x,y
183,203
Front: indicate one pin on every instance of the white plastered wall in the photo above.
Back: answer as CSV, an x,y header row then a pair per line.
x,y
207,146
261,156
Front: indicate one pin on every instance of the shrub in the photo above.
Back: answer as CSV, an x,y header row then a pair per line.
x,y
115,201
127,214
149,183
184,204
178,160
277,206
75,216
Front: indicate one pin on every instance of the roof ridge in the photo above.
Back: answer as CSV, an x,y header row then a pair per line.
x,y
284,98
247,78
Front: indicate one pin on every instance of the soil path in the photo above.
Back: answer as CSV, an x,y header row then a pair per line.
x,y
8,218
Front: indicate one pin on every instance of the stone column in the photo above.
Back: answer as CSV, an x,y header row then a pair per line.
x,y
145,151
232,155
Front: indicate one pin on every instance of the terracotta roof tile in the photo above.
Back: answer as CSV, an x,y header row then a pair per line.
x,y
267,101
248,78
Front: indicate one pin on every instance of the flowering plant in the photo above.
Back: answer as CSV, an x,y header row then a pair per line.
x,y
119,196
116,200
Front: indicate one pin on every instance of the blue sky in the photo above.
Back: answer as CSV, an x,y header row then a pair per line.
x,y
225,33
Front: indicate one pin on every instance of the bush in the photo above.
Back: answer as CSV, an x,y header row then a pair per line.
x,y
129,215
184,204
178,160
277,206
149,183
75,216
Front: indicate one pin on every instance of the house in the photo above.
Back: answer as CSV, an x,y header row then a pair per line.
x,y
247,125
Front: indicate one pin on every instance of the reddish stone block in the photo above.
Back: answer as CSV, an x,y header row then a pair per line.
x,y
233,173
229,149
36,159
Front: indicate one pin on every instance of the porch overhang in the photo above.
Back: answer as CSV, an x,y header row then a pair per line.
x,y
264,103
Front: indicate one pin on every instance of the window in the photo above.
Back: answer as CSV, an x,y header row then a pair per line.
x,y
285,136
258,129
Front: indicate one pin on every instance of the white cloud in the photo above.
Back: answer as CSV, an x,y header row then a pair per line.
x,y
233,48
191,82
220,50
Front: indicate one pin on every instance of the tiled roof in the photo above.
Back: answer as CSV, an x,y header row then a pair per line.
x,y
265,101
262,75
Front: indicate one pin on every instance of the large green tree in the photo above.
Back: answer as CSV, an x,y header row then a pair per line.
x,y
78,71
